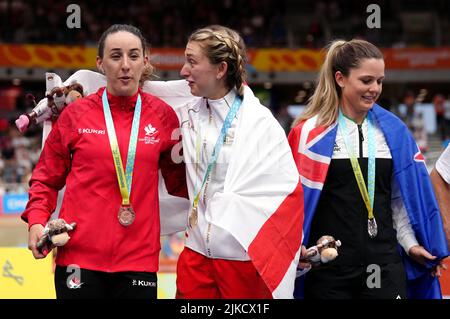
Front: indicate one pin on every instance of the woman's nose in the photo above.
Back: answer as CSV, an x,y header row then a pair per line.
x,y
184,72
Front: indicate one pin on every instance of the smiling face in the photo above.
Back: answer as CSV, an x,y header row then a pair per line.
x,y
361,88
204,78
123,62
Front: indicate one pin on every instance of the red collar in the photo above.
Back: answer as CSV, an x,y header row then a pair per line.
x,y
123,102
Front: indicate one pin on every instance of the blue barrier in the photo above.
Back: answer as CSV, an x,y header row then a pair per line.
x,y
14,203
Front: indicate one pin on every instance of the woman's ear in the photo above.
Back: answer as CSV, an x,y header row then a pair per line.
x,y
340,79
222,70
99,62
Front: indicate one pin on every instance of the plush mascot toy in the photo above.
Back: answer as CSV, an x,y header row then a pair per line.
x,y
56,233
323,252
50,108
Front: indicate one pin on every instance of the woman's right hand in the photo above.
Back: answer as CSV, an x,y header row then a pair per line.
x,y
34,234
303,264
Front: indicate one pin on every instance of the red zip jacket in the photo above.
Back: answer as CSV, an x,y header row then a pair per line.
x,y
77,154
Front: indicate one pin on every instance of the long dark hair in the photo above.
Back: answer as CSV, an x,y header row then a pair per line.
x,y
148,71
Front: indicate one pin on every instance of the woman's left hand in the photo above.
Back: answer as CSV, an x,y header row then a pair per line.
x,y
437,269
421,255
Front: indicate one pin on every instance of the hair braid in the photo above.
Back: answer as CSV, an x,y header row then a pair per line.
x,y
222,44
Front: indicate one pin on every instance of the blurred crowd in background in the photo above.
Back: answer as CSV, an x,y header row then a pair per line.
x,y
263,23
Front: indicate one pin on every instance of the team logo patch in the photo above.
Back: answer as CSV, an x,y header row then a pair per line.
x,y
150,130
151,135
91,131
418,157
74,283
336,148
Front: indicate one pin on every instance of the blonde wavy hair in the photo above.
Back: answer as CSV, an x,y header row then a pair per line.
x,y
342,56
222,44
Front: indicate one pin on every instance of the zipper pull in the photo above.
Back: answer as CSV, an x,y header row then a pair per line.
x,y
361,136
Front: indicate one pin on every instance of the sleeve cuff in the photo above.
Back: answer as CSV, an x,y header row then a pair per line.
x,y
408,241
37,217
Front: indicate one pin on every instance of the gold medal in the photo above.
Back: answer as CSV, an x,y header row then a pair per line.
x,y
126,215
193,217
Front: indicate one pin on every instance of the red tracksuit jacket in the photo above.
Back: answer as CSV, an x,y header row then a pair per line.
x,y
77,154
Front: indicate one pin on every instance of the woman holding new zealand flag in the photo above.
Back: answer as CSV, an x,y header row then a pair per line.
x,y
365,182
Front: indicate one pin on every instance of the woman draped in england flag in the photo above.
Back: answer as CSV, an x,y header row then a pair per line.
x,y
365,182
244,222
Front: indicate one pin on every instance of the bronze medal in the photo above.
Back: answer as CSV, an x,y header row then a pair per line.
x,y
126,215
193,216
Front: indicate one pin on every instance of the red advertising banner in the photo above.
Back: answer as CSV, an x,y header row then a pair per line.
x,y
167,58
47,56
263,60
285,60
415,58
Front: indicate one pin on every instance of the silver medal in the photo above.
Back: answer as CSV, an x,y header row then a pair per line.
x,y
372,227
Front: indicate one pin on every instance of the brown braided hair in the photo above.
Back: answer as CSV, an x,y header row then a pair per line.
x,y
222,44
148,73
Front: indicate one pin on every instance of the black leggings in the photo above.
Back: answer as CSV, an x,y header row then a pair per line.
x,y
356,282
79,283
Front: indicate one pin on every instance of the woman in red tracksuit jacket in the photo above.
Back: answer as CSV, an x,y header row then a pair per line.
x,y
108,255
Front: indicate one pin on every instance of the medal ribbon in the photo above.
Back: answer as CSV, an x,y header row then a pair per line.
x,y
220,140
124,178
368,196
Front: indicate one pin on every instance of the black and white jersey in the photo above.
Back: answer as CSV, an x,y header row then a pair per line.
x,y
341,211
